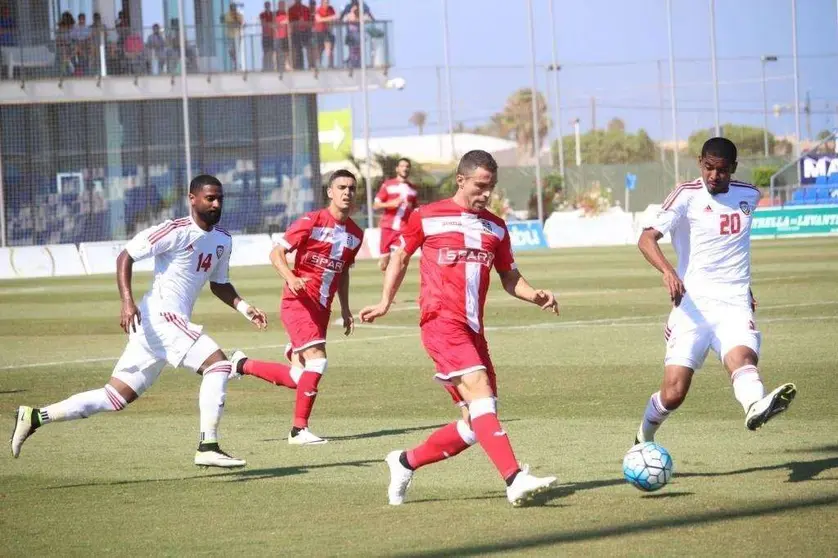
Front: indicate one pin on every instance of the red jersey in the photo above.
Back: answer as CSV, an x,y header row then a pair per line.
x,y
281,25
325,250
395,217
459,249
321,26
300,16
267,19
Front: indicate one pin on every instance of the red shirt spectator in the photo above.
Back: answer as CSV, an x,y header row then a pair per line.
x,y
267,20
299,15
323,11
281,20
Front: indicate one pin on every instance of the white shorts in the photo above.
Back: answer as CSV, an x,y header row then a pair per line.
x,y
692,330
163,337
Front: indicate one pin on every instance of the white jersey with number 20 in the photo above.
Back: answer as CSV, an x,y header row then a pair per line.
x,y
711,235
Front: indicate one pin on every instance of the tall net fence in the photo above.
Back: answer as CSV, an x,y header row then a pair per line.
x,y
82,172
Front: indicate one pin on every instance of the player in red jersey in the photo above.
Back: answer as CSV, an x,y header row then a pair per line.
x,y
461,241
397,198
326,244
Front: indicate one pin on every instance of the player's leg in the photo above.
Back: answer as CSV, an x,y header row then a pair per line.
x,y
446,442
738,341
277,373
687,339
314,362
135,371
205,358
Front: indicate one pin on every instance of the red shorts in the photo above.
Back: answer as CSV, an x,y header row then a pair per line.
x,y
389,240
456,351
305,321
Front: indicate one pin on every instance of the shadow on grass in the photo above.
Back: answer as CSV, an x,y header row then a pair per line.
x,y
236,475
11,391
559,537
664,495
799,471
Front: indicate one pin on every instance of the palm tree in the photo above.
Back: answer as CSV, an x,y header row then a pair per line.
x,y
418,119
516,120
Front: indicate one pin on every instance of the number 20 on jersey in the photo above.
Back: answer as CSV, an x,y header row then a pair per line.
x,y
730,223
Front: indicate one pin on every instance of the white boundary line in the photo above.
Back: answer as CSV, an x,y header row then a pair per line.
x,y
603,322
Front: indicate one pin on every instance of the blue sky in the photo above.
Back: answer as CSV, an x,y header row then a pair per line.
x,y
609,51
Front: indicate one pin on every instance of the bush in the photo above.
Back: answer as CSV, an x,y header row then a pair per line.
x,y
762,175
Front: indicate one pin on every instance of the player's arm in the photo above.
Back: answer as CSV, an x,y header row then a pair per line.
x,y
393,277
129,315
515,284
279,259
226,293
343,297
650,248
378,205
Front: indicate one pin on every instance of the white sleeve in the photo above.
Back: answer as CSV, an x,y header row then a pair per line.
x,y
221,273
153,241
672,211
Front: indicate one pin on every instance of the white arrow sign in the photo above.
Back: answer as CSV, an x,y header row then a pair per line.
x,y
334,136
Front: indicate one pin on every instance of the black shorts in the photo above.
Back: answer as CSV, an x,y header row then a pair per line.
x,y
323,37
281,44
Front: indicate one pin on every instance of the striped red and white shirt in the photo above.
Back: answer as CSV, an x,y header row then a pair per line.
x,y
185,257
711,235
459,250
395,217
326,249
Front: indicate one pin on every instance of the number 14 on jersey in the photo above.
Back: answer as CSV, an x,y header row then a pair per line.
x,y
204,262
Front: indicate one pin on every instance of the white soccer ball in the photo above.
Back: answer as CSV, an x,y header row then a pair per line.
x,y
647,466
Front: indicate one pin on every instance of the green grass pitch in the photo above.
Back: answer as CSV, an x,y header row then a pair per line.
x,y
572,389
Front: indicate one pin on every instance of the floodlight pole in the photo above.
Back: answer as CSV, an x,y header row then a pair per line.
x,y
672,96
187,139
448,93
718,128
366,99
536,144
557,101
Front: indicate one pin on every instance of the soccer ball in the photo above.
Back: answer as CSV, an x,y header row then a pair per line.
x,y
647,466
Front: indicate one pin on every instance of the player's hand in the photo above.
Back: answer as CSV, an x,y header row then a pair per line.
x,y
348,323
370,313
129,318
547,301
258,317
753,303
675,286
297,285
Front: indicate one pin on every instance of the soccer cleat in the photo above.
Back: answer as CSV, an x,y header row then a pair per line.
x,y
772,404
639,437
305,438
526,487
24,427
400,478
210,455
236,360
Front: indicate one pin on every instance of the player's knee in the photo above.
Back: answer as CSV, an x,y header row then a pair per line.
x,y
466,433
673,395
116,398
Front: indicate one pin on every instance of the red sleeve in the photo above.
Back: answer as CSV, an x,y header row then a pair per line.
x,y
297,233
504,260
412,235
382,193
353,254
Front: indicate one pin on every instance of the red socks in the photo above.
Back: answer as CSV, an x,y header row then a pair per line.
x,y
273,372
442,444
492,437
306,394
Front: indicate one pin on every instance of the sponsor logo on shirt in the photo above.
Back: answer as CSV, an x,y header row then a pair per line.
x,y
219,250
324,262
449,256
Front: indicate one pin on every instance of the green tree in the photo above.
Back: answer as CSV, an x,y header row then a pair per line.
x,y
516,120
761,176
749,140
419,119
611,146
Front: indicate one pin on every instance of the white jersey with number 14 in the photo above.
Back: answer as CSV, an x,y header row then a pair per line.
x,y
711,235
185,257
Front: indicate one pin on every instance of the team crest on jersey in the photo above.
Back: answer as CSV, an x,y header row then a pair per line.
x,y
219,250
746,209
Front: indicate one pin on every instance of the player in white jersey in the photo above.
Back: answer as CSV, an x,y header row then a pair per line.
x,y
709,221
187,252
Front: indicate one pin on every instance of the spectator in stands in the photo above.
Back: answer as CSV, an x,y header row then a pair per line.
x,y
98,40
354,4
299,16
8,27
80,36
155,47
233,23
324,35
281,37
353,35
64,43
266,18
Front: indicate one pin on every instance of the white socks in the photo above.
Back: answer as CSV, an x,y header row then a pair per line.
x,y
82,405
211,399
654,416
747,385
